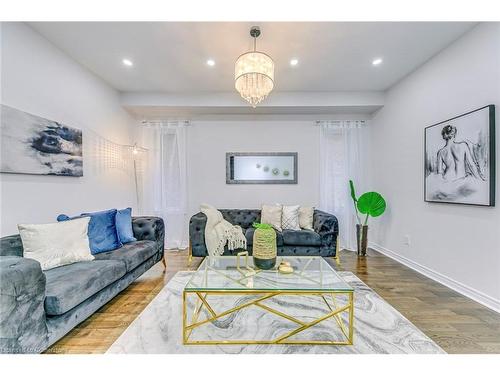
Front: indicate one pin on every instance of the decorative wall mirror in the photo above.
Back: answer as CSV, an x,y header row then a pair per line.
x,y
261,168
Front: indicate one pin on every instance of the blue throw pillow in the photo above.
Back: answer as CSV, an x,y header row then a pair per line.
x,y
102,230
124,225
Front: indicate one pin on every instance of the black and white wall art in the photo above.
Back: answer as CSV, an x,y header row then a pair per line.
x,y
35,145
460,159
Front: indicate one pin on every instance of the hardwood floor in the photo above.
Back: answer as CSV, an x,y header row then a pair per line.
x,y
456,323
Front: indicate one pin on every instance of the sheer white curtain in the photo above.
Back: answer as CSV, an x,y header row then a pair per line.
x,y
342,147
164,182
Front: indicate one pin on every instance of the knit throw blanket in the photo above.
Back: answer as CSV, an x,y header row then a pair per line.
x,y
219,232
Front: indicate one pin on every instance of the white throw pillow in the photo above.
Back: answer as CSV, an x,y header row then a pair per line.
x,y
306,215
56,244
271,215
290,217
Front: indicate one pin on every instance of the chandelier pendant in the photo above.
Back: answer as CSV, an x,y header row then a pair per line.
x,y
254,73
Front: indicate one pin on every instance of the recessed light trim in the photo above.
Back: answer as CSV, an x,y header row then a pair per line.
x,y
127,62
294,62
210,62
377,61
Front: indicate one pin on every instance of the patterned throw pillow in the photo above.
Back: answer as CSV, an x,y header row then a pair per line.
x,y
290,217
271,215
306,215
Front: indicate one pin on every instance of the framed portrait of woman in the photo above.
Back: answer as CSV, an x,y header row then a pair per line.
x,y
459,165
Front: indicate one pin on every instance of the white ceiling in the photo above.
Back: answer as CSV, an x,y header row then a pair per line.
x,y
171,56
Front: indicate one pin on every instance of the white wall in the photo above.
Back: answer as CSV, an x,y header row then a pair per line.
x,y
209,141
38,78
459,245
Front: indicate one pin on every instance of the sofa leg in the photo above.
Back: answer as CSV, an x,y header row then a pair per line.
x,y
337,252
337,260
164,260
190,254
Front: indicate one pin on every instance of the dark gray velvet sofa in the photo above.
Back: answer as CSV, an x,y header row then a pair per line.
x,y
38,308
322,241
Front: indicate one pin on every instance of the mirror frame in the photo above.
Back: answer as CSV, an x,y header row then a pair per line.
x,y
230,172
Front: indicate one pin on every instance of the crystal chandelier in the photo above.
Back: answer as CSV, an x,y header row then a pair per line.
x,y
254,73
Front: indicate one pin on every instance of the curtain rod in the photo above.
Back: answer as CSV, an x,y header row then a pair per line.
x,y
165,122
317,122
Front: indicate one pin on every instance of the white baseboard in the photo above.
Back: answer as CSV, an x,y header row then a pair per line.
x,y
467,291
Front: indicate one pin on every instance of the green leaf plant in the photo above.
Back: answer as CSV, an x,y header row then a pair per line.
x,y
369,204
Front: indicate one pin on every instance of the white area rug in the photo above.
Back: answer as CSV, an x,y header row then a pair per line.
x,y
379,328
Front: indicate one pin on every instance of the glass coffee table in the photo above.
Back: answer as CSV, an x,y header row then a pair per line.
x,y
304,301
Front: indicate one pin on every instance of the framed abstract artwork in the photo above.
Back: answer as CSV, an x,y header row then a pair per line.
x,y
261,168
460,159
35,145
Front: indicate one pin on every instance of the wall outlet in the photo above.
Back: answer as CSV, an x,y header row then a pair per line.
x,y
407,240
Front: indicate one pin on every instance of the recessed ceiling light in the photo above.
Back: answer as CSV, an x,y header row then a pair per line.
x,y
210,62
294,62
377,62
127,62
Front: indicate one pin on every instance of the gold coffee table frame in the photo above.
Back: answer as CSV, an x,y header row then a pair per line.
x,y
201,301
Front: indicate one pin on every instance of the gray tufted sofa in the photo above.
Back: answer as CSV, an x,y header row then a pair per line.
x,y
38,308
322,241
